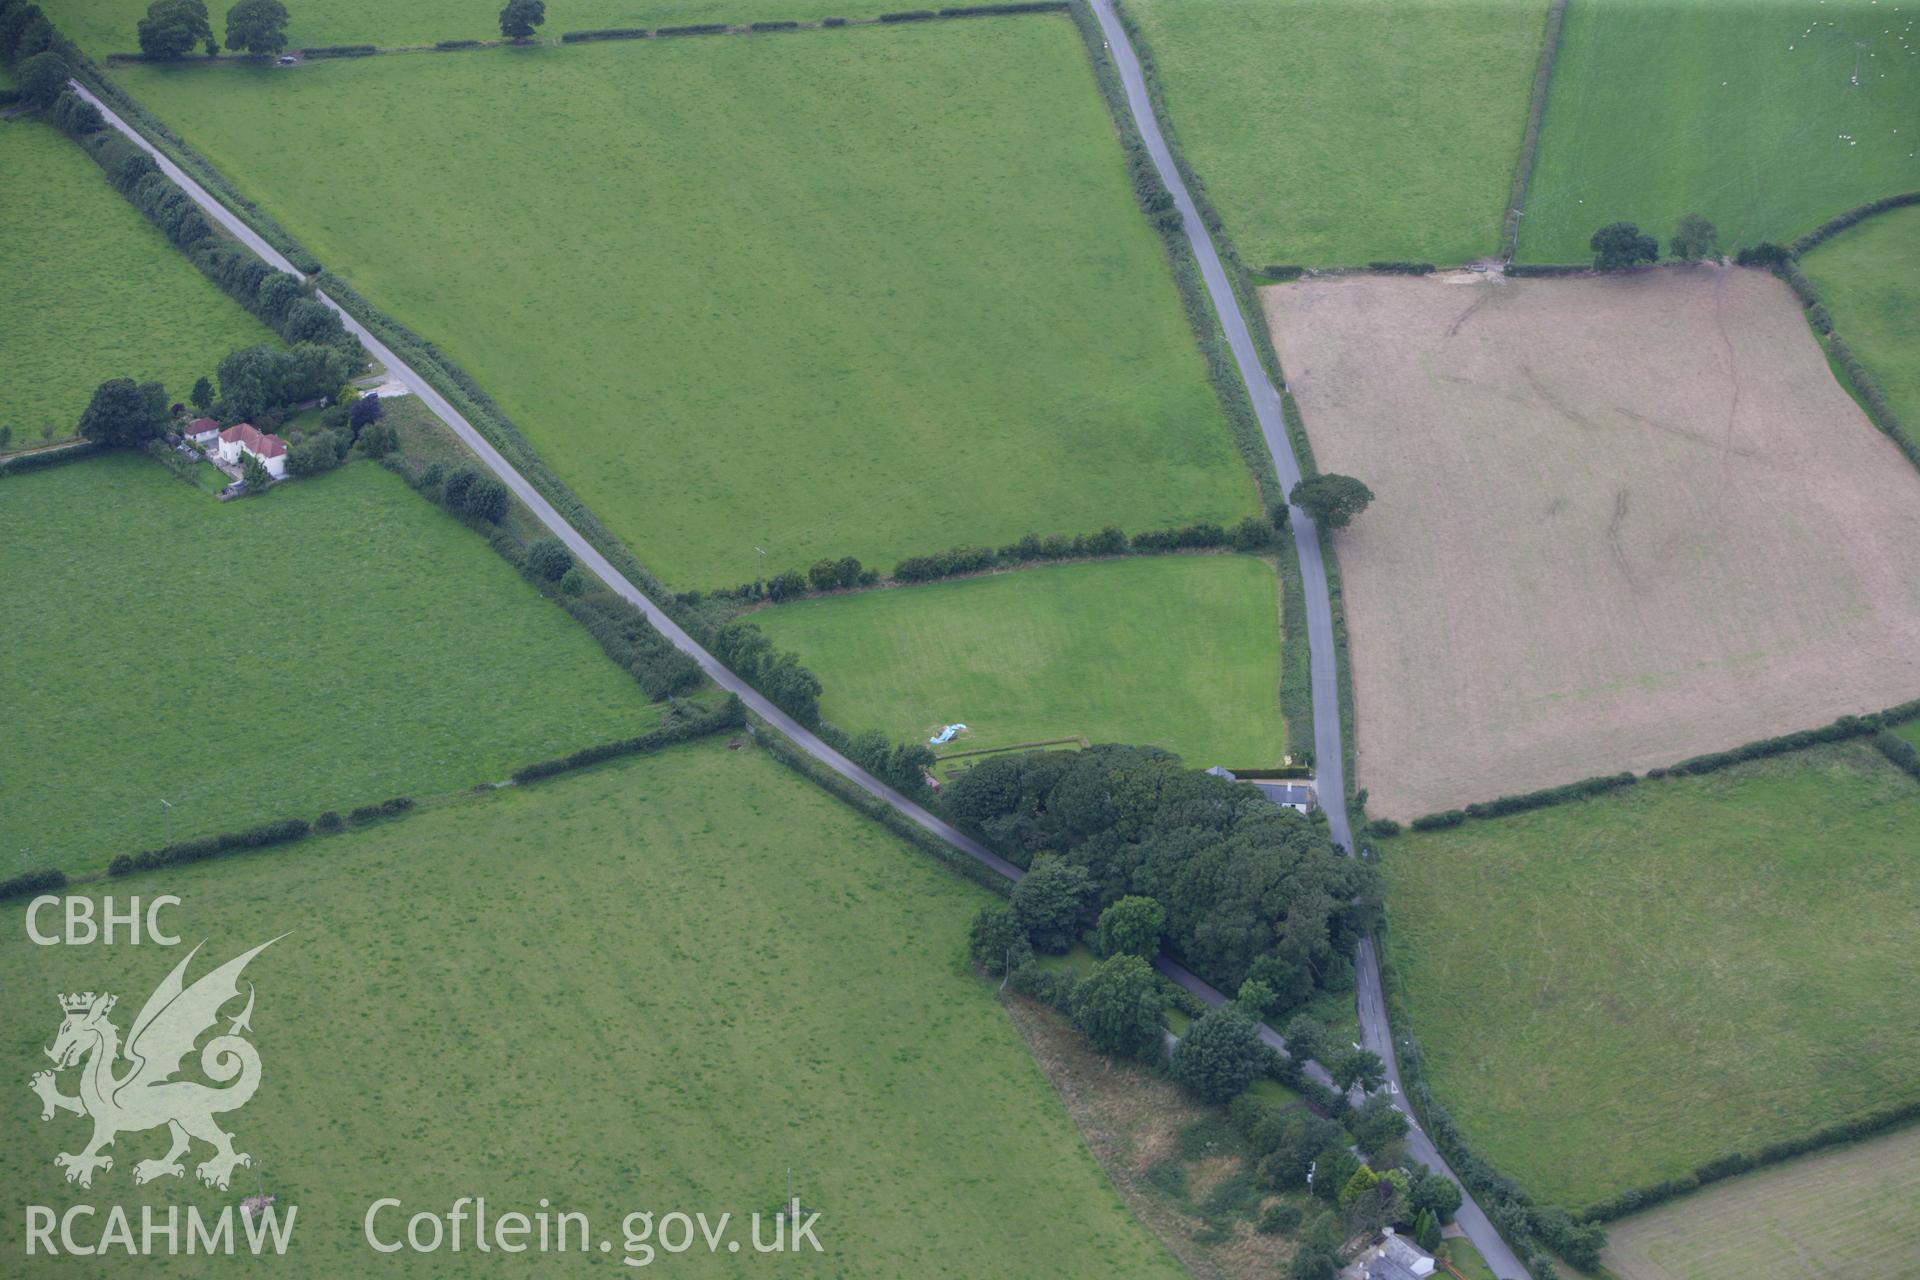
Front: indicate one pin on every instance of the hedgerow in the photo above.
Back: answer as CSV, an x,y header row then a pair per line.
x,y
1834,226
729,715
1737,1162
40,460
44,880
183,851
1899,750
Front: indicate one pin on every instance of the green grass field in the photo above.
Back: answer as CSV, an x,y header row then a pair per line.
x,y
1279,107
111,26
89,290
1869,278
1849,1212
660,985
1614,991
1742,110
839,294
1181,652
333,643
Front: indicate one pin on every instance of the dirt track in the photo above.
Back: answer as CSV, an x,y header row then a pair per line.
x,y
1617,522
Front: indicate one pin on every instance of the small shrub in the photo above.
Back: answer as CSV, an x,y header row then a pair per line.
x,y
1279,1219
328,822
548,559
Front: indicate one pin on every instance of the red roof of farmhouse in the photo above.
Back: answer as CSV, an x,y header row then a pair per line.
x,y
267,446
200,426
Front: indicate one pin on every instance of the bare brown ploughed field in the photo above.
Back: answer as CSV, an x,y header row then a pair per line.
x,y
1618,521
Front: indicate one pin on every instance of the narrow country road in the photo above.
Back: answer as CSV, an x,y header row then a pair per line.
x,y
1326,693
1330,761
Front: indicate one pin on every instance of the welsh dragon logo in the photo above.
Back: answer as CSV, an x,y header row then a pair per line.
x,y
145,1094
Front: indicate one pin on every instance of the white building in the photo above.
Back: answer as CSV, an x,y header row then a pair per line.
x,y
238,441
1395,1258
202,431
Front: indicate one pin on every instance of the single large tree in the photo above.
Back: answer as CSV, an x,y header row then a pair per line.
x,y
14,21
43,77
258,27
255,473
1332,500
174,28
1377,1124
253,380
1358,1066
202,396
1119,1005
520,17
1047,903
366,411
1694,238
1219,1056
1132,927
1619,245
1306,1036
124,412
996,943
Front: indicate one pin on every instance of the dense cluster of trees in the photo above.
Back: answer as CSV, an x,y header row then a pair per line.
x,y
1283,1144
255,381
746,650
25,32
1249,889
902,766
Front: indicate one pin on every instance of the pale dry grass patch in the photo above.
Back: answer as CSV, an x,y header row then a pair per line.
x,y
1132,1120
1618,521
1850,1212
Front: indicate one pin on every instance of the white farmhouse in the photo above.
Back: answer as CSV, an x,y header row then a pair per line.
x,y
239,441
